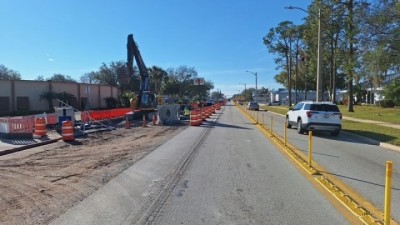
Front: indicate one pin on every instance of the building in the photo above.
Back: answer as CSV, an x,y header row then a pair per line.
x,y
24,95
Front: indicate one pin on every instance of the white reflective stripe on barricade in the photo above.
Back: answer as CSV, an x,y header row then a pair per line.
x,y
4,125
20,125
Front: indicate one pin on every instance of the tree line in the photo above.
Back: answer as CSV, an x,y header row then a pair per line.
x,y
359,41
175,82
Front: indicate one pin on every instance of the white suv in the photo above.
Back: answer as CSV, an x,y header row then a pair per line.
x,y
318,116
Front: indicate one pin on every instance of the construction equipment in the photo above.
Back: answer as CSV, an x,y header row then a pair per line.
x,y
146,99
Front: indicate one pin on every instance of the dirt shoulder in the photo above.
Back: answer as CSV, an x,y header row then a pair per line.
x,y
38,185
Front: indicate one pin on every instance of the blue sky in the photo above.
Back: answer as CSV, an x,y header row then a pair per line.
x,y
221,39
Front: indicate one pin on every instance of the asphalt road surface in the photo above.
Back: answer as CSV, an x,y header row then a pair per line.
x,y
236,176
356,161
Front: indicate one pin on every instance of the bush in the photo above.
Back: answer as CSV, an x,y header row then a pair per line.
x,y
387,103
111,102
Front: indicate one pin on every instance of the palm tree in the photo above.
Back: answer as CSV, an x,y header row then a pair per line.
x,y
157,74
49,96
65,98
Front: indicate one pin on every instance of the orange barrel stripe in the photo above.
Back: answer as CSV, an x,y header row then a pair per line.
x,y
40,127
195,117
67,131
203,115
199,117
208,112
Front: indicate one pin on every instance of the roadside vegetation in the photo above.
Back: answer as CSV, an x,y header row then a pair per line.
x,y
373,131
390,115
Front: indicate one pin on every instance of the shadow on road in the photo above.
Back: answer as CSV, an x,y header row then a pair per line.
x,y
216,124
356,179
347,137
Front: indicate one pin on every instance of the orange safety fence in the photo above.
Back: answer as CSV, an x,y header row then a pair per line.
x,y
23,126
13,127
51,119
104,114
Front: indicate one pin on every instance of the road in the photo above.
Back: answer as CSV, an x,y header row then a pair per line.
x,y
237,176
358,162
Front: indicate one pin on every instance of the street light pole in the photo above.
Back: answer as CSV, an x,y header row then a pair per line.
x,y
255,74
244,89
319,80
319,52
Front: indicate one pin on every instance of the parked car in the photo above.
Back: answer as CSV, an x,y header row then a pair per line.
x,y
315,116
273,103
253,106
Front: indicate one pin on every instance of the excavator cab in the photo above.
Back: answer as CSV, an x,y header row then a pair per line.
x,y
147,101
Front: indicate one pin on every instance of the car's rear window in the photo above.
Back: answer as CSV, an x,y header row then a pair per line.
x,y
324,107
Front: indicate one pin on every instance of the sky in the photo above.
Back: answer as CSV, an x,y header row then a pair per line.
x,y
221,39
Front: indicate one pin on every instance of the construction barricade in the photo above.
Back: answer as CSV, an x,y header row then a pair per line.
x,y
16,127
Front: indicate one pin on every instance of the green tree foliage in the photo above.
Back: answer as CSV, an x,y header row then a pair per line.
x,y
40,78
157,75
285,41
392,92
180,82
170,86
62,78
183,79
66,98
89,78
360,42
8,74
49,96
217,95
107,74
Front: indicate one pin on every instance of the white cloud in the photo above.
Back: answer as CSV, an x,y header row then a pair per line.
x,y
51,59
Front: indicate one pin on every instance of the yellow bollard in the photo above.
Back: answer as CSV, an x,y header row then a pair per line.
x,y
388,192
272,124
263,119
256,117
310,148
285,129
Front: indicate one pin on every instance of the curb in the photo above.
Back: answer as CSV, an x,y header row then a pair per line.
x,y
13,150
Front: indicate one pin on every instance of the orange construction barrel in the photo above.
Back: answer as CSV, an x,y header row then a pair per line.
x,y
40,127
195,117
207,111
67,131
203,115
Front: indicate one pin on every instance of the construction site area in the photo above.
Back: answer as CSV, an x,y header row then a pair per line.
x,y
41,183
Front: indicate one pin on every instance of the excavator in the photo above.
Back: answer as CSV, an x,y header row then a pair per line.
x,y
146,99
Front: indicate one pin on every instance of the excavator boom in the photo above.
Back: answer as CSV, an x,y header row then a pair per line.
x,y
146,100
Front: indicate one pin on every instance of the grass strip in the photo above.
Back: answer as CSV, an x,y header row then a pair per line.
x,y
373,131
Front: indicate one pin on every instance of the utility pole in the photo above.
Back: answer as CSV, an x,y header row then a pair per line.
x,y
256,94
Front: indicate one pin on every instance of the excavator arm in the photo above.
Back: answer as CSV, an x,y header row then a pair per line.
x,y
146,100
